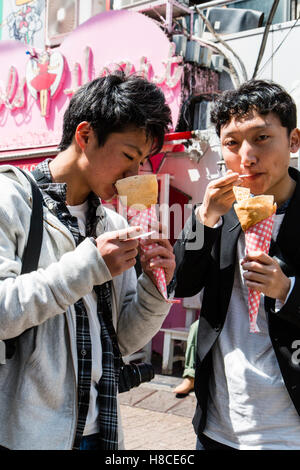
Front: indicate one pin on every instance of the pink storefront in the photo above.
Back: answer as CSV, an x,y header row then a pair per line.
x,y
36,86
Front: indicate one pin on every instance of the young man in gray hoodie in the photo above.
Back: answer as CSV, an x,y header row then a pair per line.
x,y
59,388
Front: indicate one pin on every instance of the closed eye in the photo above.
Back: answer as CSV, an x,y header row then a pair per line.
x,y
132,158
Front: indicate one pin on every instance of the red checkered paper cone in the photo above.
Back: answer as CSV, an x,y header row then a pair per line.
x,y
258,238
256,216
139,193
147,219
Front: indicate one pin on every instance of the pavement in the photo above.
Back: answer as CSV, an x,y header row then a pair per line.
x,y
154,418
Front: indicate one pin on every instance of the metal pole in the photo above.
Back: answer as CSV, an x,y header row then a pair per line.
x,y
214,3
169,15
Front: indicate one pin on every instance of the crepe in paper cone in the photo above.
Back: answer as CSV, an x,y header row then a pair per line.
x,y
256,215
140,193
252,210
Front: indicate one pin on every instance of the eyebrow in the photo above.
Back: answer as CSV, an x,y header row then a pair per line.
x,y
255,128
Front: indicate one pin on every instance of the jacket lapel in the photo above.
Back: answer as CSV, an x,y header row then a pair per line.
x,y
230,233
289,234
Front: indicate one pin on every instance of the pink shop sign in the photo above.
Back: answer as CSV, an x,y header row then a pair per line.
x,y
36,86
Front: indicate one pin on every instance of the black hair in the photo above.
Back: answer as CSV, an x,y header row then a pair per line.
x,y
263,96
115,103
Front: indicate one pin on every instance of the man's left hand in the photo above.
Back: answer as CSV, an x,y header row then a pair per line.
x,y
165,257
263,274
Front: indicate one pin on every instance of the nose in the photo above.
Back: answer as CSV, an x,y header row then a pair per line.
x,y
247,154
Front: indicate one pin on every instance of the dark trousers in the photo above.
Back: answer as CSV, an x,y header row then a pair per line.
x,y
87,443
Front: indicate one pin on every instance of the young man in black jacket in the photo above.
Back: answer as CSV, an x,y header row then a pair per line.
x,y
247,384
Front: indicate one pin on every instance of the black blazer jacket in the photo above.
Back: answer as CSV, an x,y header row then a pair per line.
x,y
212,267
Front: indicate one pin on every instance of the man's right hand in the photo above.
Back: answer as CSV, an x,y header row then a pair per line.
x,y
118,250
218,198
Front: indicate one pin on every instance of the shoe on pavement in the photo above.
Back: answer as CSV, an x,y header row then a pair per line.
x,y
186,386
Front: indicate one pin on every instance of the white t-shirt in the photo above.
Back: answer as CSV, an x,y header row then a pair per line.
x,y
90,302
249,406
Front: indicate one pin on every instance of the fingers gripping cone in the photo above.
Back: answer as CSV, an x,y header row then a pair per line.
x,y
140,194
146,219
256,215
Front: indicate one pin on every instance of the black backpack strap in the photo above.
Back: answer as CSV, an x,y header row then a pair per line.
x,y
32,249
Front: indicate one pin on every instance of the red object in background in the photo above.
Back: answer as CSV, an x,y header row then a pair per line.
x,y
155,161
43,80
179,136
178,148
177,197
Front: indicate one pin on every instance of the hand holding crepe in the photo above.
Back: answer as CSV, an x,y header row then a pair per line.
x,y
256,215
140,193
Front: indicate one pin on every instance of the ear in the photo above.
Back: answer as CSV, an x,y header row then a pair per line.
x,y
82,134
295,140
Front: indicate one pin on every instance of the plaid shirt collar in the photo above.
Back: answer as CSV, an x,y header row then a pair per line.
x,y
55,199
